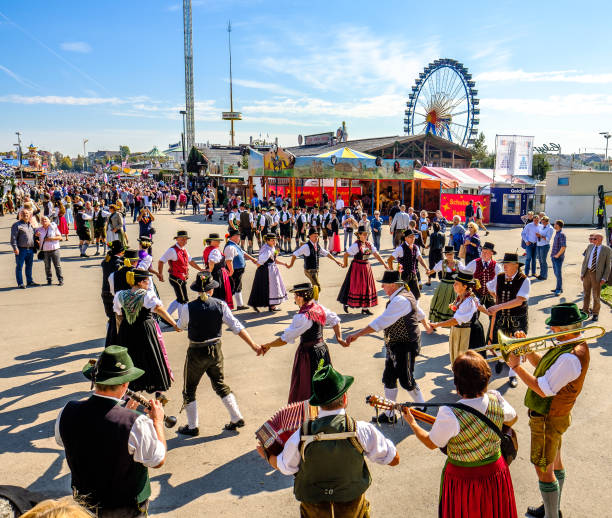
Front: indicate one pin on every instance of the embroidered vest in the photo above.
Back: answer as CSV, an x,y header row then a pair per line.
x,y
180,267
484,275
409,258
405,329
507,290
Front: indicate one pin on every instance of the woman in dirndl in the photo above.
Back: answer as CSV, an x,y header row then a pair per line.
x,y
476,481
62,223
358,289
466,330
439,309
214,261
268,287
141,334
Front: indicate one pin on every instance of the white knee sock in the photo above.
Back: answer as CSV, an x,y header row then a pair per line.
x,y
416,395
232,407
511,373
172,307
238,296
392,395
192,414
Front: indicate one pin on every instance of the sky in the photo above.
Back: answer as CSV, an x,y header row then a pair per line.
x,y
112,72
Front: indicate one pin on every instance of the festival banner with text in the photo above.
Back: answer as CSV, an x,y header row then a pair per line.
x,y
455,204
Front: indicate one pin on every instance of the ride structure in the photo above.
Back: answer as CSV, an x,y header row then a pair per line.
x,y
443,102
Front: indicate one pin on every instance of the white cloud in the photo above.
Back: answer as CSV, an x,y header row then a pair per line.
x,y
76,46
270,87
575,105
21,80
56,99
558,76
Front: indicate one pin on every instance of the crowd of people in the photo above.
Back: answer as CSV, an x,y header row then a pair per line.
x,y
476,297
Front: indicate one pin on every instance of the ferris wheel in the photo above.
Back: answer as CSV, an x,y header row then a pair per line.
x,y
443,102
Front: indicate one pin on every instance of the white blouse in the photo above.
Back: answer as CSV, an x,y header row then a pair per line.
x,y
438,267
301,323
151,301
265,253
466,310
215,255
354,249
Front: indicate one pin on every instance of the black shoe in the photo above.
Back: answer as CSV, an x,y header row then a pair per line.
x,y
366,312
83,255
271,309
594,318
384,419
539,512
60,283
21,286
240,308
345,308
31,284
232,426
513,382
185,430
256,309
49,282
97,252
499,366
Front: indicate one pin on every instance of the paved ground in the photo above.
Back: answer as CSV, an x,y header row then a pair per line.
x,y
50,332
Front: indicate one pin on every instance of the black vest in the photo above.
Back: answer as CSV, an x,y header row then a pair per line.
x,y
99,220
108,267
405,329
245,222
316,220
311,262
506,291
408,259
205,319
119,279
313,334
95,433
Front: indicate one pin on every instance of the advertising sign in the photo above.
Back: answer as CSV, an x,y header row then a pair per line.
x,y
455,204
318,139
313,195
514,155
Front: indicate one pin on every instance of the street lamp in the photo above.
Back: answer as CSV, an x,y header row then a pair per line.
x,y
20,154
184,113
606,135
85,141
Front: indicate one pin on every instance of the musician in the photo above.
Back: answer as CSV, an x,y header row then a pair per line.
x,y
235,263
308,325
400,322
111,263
511,292
551,394
311,251
109,448
466,330
179,261
408,255
333,478
203,319
476,480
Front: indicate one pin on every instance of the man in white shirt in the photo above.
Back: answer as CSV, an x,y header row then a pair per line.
x,y
339,204
109,447
530,236
332,479
399,225
50,238
400,322
543,246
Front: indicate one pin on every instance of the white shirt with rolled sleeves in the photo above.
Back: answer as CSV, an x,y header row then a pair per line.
x,y
547,233
471,267
143,443
304,250
447,426
354,249
522,292
230,320
215,255
399,252
230,252
399,306
566,369
170,255
301,323
466,310
376,447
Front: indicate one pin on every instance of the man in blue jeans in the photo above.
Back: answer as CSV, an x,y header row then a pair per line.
x,y
544,236
22,241
558,254
530,236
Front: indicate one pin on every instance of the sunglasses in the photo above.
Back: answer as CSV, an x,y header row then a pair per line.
x,y
592,239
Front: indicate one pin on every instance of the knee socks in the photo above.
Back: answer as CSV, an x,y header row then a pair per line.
x,y
238,297
560,475
391,393
192,414
232,407
550,496
416,395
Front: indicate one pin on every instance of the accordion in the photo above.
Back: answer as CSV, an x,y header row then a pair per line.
x,y
275,432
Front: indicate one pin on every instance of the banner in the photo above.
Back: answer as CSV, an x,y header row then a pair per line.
x,y
455,204
313,195
513,155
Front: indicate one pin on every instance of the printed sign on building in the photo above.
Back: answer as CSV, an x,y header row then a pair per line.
x,y
514,155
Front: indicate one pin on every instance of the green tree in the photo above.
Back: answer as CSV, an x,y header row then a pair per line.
x,y
66,164
195,156
58,158
540,166
78,164
479,150
124,151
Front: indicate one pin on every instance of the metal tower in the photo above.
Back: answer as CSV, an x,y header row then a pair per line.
x,y
189,123
231,115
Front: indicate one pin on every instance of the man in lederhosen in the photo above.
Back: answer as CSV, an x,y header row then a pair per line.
x,y
109,448
261,226
235,263
100,218
301,224
311,251
511,292
203,319
286,227
179,260
245,225
316,219
83,226
326,221
400,322
408,255
112,262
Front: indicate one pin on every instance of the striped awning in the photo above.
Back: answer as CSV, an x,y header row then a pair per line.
x,y
345,152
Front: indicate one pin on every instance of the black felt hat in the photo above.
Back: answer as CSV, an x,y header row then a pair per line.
x,y
465,278
313,230
204,282
512,258
489,246
116,247
213,237
409,232
362,230
233,232
270,235
303,286
182,233
391,277
130,254
449,249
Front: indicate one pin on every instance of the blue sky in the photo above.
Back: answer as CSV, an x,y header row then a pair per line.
x,y
112,71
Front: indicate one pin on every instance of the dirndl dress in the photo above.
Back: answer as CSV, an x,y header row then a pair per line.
x,y
63,226
268,287
145,344
443,297
358,289
224,290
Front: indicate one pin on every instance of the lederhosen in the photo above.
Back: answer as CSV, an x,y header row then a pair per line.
x,y
300,226
83,228
316,221
266,225
409,263
244,225
403,344
99,226
204,355
324,229
311,265
309,353
508,321
108,267
285,226
177,276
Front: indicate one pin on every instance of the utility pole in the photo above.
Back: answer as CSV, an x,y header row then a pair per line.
x,y
85,141
231,115
190,125
20,154
606,135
